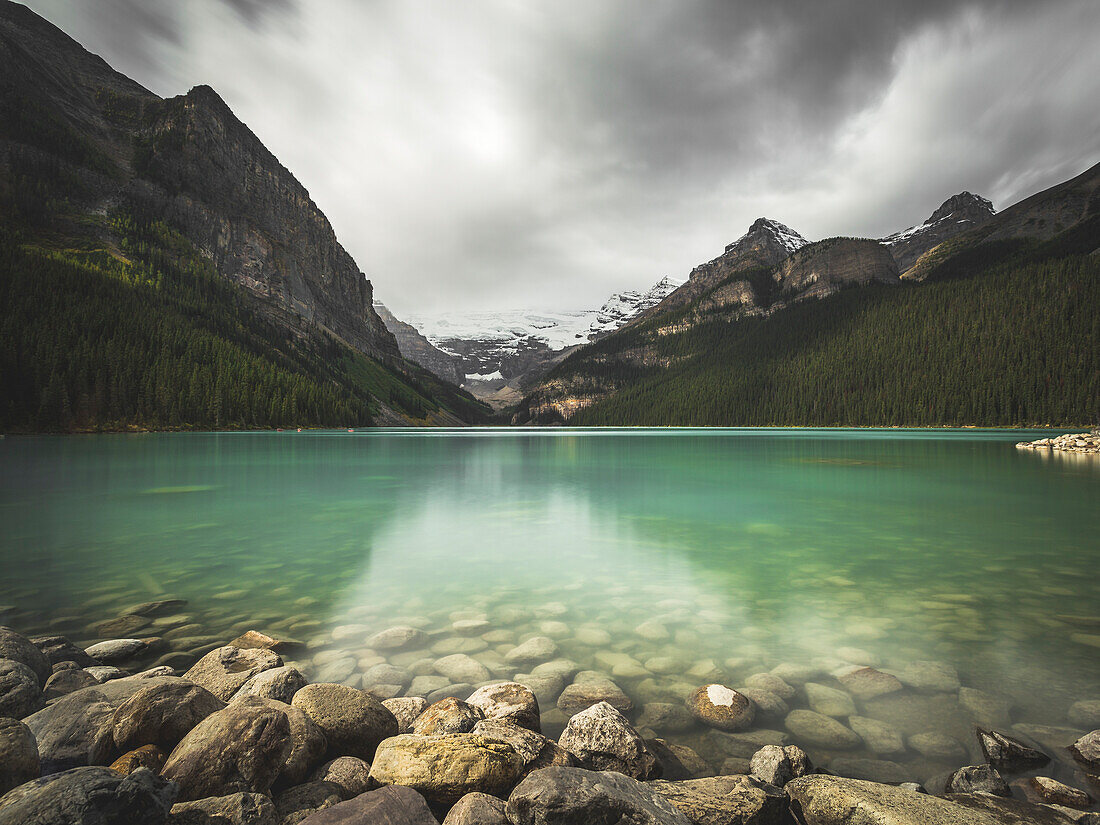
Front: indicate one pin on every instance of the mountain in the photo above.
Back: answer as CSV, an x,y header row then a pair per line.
x,y
766,244
175,208
623,307
825,267
499,354
1068,210
418,349
996,326
955,215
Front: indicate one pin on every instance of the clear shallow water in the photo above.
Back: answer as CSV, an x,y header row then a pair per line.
x,y
736,551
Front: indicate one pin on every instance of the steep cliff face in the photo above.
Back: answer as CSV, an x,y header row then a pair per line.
x,y
189,161
956,215
415,347
254,220
828,266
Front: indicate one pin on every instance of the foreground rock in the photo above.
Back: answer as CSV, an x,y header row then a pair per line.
x,y
307,744
90,795
446,768
534,749
678,761
719,800
279,683
20,691
75,730
116,650
817,729
395,638
590,689
59,649
477,809
239,749
721,707
224,670
386,806
298,802
65,682
601,739
1086,750
508,702
571,796
983,808
147,756
254,638
1008,754
831,800
161,714
234,809
448,715
777,765
18,754
405,710
353,722
347,772
19,648
1058,793
977,779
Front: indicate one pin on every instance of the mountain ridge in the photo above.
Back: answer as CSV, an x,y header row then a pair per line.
x,y
954,216
99,173
497,354
733,303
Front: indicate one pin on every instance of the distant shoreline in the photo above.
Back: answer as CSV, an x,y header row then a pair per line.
x,y
1062,429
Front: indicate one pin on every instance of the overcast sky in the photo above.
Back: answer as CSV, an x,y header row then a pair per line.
x,y
496,154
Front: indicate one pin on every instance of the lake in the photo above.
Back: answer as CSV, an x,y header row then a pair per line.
x,y
661,559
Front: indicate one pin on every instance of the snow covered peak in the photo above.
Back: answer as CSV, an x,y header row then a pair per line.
x,y
770,232
963,208
625,306
513,331
962,205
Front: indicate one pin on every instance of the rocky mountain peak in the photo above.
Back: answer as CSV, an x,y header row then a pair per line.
x,y
769,234
955,215
964,205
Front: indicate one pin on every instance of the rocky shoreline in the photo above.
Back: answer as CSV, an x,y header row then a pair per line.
x,y
242,738
1070,442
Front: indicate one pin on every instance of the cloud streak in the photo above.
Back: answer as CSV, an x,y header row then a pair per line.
x,y
504,154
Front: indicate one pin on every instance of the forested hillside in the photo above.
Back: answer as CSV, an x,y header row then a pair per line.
x,y
160,268
1002,334
149,336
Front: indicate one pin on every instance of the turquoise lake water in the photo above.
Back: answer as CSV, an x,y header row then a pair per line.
x,y
664,559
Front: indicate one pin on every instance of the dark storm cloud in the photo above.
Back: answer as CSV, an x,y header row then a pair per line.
x,y
501,153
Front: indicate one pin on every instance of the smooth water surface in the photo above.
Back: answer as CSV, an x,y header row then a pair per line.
x,y
664,559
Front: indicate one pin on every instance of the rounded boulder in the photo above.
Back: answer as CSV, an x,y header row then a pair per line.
x,y
20,690
18,754
721,707
162,714
601,739
508,702
448,715
446,768
241,748
19,648
225,670
353,721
